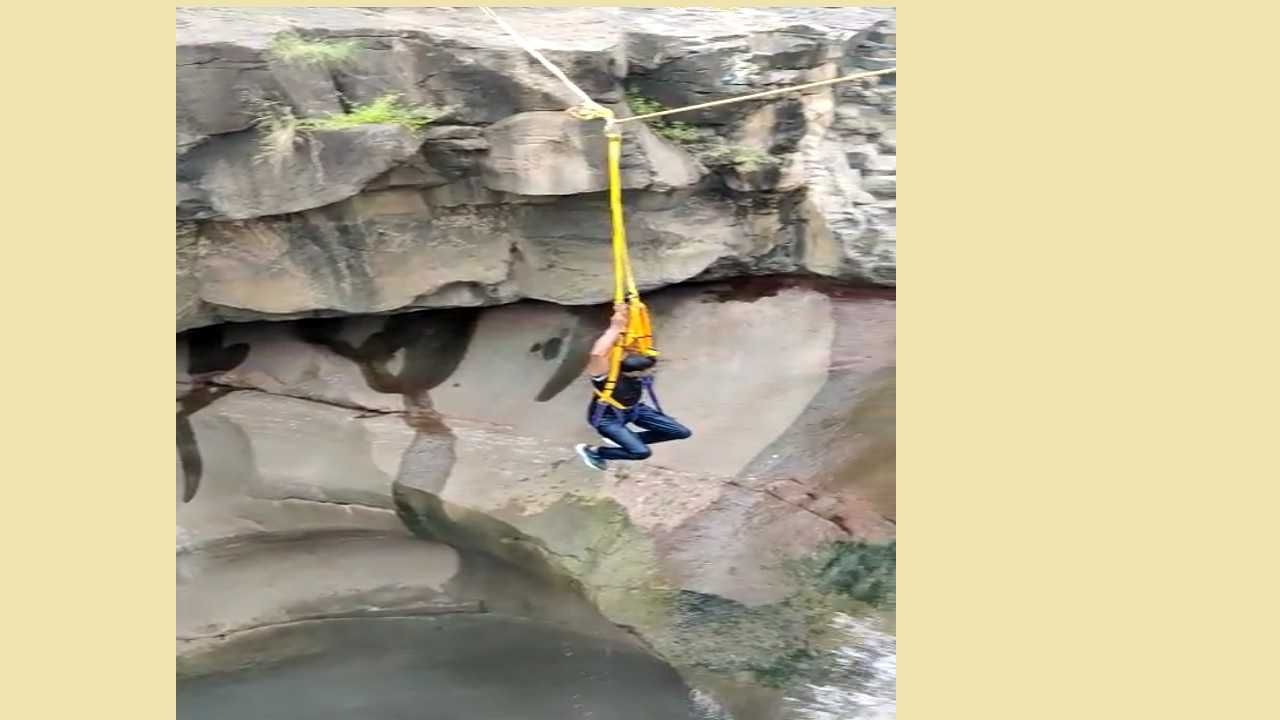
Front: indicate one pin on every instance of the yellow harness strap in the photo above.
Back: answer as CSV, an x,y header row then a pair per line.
x,y
638,338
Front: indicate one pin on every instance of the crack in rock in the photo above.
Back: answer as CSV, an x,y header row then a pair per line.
x,y
339,503
364,410
470,607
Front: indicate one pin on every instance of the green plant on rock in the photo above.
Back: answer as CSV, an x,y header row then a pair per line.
x,y
780,670
741,157
862,571
775,644
329,53
709,148
682,133
677,132
386,110
281,131
728,638
641,105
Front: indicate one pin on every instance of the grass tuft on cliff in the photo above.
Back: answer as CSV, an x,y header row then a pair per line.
x,y
386,110
741,157
293,48
281,131
866,572
278,130
678,132
711,149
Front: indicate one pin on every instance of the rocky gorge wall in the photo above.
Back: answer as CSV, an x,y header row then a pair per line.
x,y
383,330
500,196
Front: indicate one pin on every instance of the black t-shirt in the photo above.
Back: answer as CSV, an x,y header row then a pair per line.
x,y
628,391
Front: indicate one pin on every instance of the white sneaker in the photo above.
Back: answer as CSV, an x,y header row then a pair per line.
x,y
589,457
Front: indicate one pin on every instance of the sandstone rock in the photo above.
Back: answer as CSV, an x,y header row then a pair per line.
x,y
390,250
794,47
377,252
333,226
266,465
438,56
885,186
883,165
862,156
889,140
876,63
551,153
315,443
862,197
840,240
885,33
299,578
224,179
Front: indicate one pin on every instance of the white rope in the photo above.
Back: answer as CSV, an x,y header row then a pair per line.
x,y
540,58
596,110
766,93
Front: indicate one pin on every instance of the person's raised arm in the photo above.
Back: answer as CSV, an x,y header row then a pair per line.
x,y
598,364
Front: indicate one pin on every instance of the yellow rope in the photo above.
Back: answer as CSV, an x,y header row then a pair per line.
x,y
621,261
639,334
753,96
638,337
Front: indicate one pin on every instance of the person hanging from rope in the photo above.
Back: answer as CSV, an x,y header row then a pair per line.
x,y
635,377
622,360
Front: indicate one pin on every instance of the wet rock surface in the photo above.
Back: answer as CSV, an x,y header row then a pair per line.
x,y
353,440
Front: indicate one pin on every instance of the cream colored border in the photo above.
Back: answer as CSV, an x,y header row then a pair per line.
x,y
1088,403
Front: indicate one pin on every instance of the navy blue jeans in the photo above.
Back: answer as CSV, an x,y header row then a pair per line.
x,y
656,427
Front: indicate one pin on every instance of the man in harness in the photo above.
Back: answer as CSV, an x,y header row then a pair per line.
x,y
634,380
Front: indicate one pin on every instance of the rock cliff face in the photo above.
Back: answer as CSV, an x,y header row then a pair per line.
x,y
499,197
383,328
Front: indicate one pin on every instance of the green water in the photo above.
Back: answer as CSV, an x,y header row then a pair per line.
x,y
475,667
